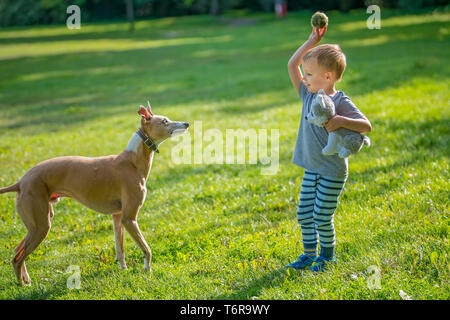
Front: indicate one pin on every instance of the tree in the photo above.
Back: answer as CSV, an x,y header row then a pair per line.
x,y
130,13
215,7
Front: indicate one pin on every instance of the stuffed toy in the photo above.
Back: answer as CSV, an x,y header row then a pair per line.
x,y
342,141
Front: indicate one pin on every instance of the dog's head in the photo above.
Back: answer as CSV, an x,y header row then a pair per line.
x,y
322,109
159,128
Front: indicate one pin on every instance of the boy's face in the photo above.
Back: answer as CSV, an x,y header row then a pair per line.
x,y
315,77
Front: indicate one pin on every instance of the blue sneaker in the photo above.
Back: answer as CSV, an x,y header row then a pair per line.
x,y
319,264
302,262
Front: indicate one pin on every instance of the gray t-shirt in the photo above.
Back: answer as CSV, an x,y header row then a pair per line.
x,y
312,139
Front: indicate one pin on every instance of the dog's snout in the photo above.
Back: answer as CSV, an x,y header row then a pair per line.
x,y
186,124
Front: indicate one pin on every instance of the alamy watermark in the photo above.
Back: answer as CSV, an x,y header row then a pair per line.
x,y
74,280
374,280
374,20
74,20
234,146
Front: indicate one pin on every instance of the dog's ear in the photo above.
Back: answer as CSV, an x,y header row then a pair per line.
x,y
149,108
322,101
143,112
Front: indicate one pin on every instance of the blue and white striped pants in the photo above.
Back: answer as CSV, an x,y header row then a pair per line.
x,y
318,202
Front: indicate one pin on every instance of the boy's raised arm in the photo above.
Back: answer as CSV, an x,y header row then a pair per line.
x,y
296,60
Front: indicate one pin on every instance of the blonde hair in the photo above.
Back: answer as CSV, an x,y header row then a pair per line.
x,y
330,57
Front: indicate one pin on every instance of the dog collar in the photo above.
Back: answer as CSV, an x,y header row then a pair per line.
x,y
148,141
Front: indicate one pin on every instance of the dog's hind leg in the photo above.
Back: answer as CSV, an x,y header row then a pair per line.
x,y
118,235
51,213
35,214
18,251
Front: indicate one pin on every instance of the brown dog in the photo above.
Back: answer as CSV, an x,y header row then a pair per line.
x,y
114,185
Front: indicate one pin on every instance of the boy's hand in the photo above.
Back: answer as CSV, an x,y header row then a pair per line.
x,y
295,74
317,34
334,123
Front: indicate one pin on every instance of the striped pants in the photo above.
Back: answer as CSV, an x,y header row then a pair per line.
x,y
318,202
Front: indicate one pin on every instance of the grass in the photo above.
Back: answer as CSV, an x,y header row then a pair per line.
x,y
225,231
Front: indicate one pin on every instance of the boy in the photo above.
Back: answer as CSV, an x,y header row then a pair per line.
x,y
325,176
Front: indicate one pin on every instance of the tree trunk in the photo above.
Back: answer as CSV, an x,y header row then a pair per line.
x,y
130,13
215,7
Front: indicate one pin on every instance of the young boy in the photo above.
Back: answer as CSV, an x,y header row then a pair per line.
x,y
325,176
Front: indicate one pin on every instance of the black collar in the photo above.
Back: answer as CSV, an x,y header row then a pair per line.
x,y
147,141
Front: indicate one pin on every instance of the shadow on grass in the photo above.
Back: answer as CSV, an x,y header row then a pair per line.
x,y
37,292
254,288
41,288
158,28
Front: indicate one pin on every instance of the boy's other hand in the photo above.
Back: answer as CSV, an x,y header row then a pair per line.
x,y
317,34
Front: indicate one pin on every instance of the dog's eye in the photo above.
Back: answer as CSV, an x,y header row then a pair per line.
x,y
165,121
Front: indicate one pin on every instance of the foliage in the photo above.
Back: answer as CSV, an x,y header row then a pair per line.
x,y
26,12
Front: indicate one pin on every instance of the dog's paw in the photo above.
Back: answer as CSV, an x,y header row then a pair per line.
x,y
344,153
327,152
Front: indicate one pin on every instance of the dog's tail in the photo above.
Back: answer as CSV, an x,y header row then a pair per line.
x,y
14,187
366,141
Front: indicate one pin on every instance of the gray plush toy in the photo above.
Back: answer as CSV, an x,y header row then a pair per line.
x,y
342,141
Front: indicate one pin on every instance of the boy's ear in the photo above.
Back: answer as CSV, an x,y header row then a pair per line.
x,y
331,75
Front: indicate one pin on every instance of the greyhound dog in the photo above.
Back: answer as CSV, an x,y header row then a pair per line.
x,y
114,185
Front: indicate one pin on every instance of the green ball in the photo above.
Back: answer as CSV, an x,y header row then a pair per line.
x,y
319,20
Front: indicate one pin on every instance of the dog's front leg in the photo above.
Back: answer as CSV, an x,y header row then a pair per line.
x,y
129,221
118,235
344,153
331,147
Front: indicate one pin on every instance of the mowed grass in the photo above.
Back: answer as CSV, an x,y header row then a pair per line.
x,y
226,231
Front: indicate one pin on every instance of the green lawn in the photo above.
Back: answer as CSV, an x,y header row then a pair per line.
x,y
226,231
